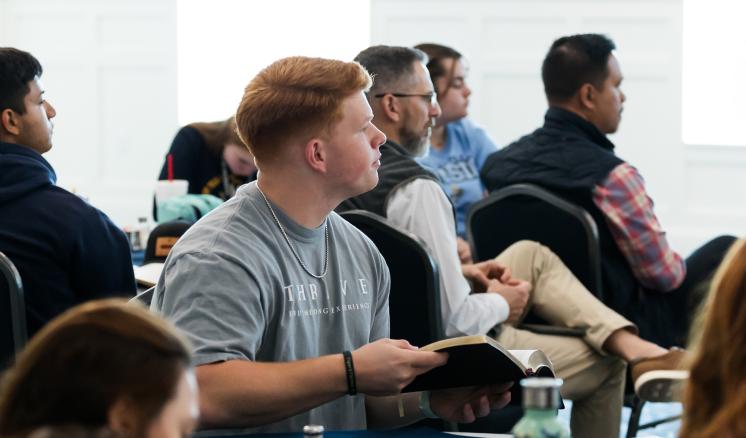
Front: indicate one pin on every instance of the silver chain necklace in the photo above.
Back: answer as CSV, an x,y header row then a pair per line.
x,y
292,247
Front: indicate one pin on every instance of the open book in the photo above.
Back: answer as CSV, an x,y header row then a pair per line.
x,y
480,360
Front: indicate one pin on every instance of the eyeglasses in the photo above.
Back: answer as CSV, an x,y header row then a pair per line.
x,y
429,98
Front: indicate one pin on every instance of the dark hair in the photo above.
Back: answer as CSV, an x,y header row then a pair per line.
x,y
436,53
573,61
17,69
389,64
86,360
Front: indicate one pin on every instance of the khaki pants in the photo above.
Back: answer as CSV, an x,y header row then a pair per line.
x,y
594,381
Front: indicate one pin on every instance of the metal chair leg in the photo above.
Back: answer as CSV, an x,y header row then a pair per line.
x,y
634,417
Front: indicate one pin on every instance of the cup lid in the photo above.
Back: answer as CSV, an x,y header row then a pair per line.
x,y
541,392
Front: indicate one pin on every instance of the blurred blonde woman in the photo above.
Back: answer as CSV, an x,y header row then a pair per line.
x,y
104,365
715,398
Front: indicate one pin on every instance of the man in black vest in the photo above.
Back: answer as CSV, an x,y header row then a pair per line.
x,y
404,106
571,156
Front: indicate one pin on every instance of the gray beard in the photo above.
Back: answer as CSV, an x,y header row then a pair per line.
x,y
415,145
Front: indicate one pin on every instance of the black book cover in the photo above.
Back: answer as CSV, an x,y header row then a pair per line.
x,y
478,361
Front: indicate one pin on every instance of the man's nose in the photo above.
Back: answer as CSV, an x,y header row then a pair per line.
x,y
435,110
51,112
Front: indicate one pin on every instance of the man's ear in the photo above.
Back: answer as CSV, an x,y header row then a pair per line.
x,y
9,121
122,417
587,96
391,108
316,154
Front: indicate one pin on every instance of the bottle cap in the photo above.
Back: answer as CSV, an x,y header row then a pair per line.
x,y
541,393
313,429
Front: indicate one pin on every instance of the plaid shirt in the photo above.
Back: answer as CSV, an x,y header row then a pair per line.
x,y
637,233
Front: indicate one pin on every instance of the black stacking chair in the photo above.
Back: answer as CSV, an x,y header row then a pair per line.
x,y
411,267
414,302
529,212
162,239
13,335
526,211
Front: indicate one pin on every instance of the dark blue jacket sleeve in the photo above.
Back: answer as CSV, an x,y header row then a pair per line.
x,y
102,264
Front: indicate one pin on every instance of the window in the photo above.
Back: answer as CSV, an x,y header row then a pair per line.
x,y
714,72
222,44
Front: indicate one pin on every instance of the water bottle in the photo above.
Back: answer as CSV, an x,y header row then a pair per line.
x,y
541,399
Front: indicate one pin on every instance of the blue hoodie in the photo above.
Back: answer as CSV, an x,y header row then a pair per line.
x,y
66,250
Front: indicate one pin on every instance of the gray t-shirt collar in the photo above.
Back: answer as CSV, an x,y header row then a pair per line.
x,y
293,229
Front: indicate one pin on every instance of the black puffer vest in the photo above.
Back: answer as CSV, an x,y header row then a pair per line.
x,y
570,156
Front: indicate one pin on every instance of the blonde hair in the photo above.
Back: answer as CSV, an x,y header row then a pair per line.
x,y
294,97
218,134
715,397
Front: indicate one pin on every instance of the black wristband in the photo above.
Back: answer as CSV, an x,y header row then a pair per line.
x,y
350,373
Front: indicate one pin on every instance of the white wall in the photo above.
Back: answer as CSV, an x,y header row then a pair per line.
x,y
219,52
699,190
110,71
714,39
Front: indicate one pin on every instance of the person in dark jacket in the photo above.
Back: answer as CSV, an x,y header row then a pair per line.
x,y
644,279
66,251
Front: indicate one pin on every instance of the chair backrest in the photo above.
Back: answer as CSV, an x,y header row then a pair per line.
x,y
162,239
525,211
414,302
13,334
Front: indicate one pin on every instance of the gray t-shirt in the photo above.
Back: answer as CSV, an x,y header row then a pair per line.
x,y
234,287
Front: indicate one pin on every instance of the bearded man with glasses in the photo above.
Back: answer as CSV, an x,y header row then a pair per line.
x,y
412,103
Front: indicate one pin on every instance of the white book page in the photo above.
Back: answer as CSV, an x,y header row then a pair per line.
x,y
532,359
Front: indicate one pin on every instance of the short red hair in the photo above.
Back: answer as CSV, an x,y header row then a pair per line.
x,y
295,96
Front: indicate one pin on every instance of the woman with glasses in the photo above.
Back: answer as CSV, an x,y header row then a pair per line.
x,y
458,146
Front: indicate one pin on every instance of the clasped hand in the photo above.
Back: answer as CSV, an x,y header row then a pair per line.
x,y
492,276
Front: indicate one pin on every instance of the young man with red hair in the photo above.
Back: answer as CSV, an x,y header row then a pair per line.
x,y
285,302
